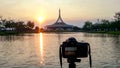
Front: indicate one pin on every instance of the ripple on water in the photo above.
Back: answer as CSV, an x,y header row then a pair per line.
x,y
111,66
117,66
26,52
108,67
3,62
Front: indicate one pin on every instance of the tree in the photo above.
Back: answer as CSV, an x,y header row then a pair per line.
x,y
117,21
117,16
20,26
37,29
105,25
30,24
87,26
8,24
76,28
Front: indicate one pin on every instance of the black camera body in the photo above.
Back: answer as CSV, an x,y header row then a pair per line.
x,y
73,49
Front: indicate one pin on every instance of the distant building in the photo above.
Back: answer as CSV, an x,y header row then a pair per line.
x,y
2,27
59,25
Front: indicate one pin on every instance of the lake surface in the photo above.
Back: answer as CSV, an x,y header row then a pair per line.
x,y
42,50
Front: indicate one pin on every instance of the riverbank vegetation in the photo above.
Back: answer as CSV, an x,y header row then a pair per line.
x,y
15,27
104,26
101,26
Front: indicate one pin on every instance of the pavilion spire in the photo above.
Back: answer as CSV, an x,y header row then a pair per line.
x,y
59,13
59,20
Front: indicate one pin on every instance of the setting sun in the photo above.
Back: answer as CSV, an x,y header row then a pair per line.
x,y
40,19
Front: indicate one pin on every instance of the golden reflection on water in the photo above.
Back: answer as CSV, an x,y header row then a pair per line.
x,y
41,48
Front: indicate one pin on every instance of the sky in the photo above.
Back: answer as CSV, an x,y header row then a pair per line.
x,y
74,12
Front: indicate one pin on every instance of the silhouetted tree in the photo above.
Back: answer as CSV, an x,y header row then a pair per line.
x,y
20,26
87,26
37,29
117,21
117,16
76,28
30,24
105,25
10,24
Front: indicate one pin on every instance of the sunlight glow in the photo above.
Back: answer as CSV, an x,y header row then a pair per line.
x,y
41,49
40,19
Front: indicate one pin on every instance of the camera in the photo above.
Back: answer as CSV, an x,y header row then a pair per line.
x,y
72,49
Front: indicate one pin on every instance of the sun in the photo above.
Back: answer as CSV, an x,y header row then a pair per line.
x,y
40,19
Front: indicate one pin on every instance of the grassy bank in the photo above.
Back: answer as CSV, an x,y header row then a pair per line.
x,y
17,32
8,33
102,32
113,32
106,32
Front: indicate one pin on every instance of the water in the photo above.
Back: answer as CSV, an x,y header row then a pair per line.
x,y
42,50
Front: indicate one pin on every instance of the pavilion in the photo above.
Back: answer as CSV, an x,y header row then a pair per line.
x,y
59,25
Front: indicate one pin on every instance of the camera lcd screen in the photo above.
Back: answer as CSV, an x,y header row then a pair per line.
x,y
70,51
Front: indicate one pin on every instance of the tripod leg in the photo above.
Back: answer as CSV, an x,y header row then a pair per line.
x,y
72,65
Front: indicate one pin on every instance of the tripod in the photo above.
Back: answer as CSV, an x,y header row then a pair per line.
x,y
72,61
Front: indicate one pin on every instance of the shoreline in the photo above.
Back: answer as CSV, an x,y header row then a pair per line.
x,y
95,32
105,32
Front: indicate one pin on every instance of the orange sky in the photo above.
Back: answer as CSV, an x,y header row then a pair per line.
x,y
73,11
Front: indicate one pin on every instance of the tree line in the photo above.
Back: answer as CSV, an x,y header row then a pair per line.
x,y
103,25
18,26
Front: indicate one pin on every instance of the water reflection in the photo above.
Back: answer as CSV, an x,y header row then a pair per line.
x,y
99,35
59,38
10,38
41,49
